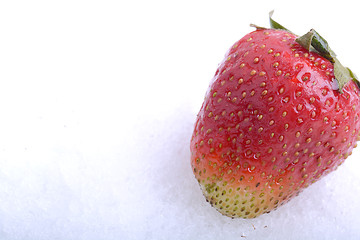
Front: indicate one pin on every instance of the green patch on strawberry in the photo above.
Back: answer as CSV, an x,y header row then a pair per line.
x,y
273,122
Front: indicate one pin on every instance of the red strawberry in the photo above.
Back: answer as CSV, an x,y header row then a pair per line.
x,y
273,121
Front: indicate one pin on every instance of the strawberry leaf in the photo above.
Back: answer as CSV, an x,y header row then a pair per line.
x,y
306,40
257,27
276,25
322,46
312,41
342,74
354,77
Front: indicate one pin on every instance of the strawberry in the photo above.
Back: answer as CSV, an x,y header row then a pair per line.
x,y
280,113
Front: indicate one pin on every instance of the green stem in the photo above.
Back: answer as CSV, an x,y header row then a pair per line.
x,y
312,41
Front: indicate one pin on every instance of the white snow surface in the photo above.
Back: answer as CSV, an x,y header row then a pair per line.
x,y
98,101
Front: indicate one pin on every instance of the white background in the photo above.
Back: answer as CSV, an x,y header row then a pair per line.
x,y
97,105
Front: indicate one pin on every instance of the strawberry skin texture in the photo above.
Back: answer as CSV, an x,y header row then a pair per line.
x,y
271,124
